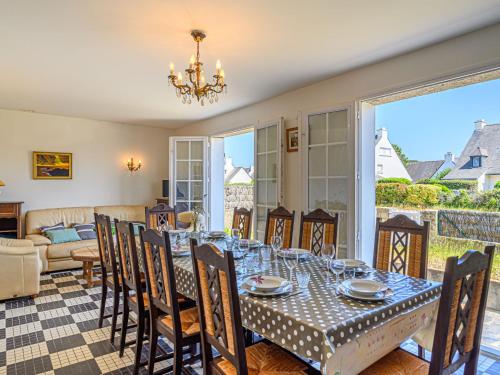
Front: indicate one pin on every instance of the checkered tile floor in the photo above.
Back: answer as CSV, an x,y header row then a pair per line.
x,y
57,333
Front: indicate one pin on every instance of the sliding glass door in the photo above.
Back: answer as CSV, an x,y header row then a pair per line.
x,y
326,167
188,173
268,156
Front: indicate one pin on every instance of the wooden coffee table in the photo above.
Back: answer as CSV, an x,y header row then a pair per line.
x,y
88,257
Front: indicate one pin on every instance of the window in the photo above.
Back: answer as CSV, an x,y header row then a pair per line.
x,y
476,161
385,151
380,168
328,167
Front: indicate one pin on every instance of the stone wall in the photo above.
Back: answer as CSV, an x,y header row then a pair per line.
x,y
383,213
236,196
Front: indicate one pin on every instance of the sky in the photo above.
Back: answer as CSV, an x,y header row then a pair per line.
x,y
240,148
428,126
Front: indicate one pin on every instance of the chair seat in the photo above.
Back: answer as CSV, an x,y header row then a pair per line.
x,y
267,359
145,297
190,321
398,362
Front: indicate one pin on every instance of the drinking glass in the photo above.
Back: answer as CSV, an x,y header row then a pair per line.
x,y
265,253
303,278
338,267
252,262
328,254
235,233
243,246
276,243
291,260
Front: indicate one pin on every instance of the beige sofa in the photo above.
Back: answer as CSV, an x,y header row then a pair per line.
x,y
20,268
58,256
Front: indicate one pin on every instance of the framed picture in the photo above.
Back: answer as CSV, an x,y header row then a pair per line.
x,y
292,139
52,165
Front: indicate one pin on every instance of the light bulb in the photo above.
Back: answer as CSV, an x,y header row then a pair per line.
x,y
172,68
218,66
179,77
191,61
202,79
222,74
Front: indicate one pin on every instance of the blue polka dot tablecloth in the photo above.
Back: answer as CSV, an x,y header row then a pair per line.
x,y
315,322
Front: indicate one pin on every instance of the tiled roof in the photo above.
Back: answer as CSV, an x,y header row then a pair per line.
x,y
423,169
484,142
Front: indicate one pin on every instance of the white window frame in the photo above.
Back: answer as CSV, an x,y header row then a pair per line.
x,y
173,171
279,160
349,213
385,151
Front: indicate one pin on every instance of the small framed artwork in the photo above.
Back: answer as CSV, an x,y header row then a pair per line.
x,y
292,139
52,165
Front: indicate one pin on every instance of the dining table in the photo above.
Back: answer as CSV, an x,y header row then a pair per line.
x,y
317,323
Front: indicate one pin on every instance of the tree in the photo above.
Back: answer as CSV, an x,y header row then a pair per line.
x,y
443,173
402,156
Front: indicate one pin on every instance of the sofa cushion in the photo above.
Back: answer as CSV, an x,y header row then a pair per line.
x,y
86,231
63,235
63,250
46,228
38,239
51,216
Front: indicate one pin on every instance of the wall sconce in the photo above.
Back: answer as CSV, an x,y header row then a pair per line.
x,y
132,167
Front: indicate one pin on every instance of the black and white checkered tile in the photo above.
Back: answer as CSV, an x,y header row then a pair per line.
x,y
57,332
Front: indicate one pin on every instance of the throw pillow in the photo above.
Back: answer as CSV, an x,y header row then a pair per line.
x,y
63,235
86,231
52,227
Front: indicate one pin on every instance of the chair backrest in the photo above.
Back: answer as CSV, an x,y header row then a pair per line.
x,y
242,219
106,247
129,259
160,278
401,246
461,312
161,214
279,222
218,306
317,228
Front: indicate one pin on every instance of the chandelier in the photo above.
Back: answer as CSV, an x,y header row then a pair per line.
x,y
195,85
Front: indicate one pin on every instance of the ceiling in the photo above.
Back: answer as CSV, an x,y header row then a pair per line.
x,y
108,59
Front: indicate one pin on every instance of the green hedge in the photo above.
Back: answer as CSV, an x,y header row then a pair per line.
x,y
407,195
497,185
451,184
394,180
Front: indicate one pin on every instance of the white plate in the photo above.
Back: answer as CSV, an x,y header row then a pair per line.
x,y
352,263
302,253
254,243
364,287
181,253
265,283
375,298
217,234
286,289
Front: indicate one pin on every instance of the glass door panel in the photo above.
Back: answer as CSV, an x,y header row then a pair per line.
x,y
268,172
188,172
328,166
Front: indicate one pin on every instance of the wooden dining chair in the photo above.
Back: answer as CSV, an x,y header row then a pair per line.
x,y
317,228
401,246
279,222
180,327
242,219
220,320
459,322
135,297
161,214
109,271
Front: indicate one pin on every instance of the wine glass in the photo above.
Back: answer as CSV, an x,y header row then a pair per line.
x,y
291,260
235,233
328,254
276,243
338,267
243,246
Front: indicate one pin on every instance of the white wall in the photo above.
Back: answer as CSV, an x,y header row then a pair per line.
x,y
470,51
100,151
392,166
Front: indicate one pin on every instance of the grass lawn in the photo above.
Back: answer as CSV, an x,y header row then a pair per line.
x,y
441,248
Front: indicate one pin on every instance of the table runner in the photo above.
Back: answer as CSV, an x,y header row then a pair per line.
x,y
314,323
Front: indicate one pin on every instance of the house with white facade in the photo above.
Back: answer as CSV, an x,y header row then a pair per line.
x,y
387,162
237,175
480,159
420,170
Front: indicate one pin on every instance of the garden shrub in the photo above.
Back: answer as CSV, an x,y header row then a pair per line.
x,y
497,185
423,195
394,180
489,200
391,193
451,184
